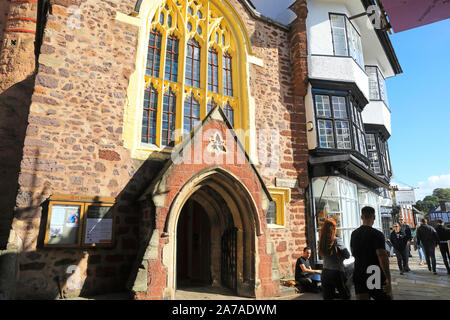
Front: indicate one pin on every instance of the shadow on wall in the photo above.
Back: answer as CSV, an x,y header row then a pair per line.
x,y
58,273
14,109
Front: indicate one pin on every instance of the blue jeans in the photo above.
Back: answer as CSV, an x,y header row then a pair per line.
x,y
420,251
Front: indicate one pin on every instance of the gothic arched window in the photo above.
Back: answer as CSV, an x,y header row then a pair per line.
x,y
189,62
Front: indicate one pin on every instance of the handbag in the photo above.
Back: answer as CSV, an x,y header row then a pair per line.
x,y
342,276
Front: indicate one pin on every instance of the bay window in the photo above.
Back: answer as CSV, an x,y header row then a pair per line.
x,y
339,122
346,39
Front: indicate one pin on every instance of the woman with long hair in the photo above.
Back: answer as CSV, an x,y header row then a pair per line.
x,y
333,252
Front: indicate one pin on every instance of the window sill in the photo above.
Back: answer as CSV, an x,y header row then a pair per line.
x,y
153,147
275,226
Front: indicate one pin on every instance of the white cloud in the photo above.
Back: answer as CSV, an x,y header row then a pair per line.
x,y
426,187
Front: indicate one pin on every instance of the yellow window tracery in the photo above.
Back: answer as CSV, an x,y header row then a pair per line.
x,y
201,21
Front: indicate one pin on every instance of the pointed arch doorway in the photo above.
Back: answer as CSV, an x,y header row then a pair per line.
x,y
216,237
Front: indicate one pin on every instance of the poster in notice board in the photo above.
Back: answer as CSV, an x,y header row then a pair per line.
x,y
99,224
64,224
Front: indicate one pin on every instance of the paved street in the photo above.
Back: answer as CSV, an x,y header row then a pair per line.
x,y
419,284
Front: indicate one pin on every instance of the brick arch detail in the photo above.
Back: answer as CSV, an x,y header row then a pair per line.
x,y
246,219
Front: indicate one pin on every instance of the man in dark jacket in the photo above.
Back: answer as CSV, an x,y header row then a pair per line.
x,y
399,240
407,230
444,235
428,236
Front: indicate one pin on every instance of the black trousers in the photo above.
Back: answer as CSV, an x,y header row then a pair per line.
x,y
331,280
307,285
428,249
402,258
445,254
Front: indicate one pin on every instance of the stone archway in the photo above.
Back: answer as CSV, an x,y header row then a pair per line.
x,y
227,205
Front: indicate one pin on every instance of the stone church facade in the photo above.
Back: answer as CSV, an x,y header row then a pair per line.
x,y
184,119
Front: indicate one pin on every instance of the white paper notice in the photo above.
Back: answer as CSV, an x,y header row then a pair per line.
x,y
98,230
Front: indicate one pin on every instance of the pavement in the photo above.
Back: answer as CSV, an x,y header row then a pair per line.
x,y
418,284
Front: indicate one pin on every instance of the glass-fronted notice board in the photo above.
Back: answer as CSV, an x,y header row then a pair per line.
x,y
81,221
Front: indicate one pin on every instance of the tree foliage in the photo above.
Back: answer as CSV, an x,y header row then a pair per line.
x,y
431,201
442,194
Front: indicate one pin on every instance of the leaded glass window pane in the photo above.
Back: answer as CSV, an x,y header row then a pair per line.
x,y
326,139
382,83
227,77
211,104
354,43
339,35
323,106
373,83
193,64
229,112
373,153
343,135
339,107
148,133
168,120
191,114
153,54
171,71
213,71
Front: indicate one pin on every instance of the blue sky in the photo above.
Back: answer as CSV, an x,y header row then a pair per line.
x,y
419,99
420,105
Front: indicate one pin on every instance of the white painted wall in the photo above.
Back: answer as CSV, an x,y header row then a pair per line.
x,y
323,65
311,135
320,42
376,112
338,69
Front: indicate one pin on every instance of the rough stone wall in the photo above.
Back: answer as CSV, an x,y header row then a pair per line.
x,y
73,145
280,106
73,141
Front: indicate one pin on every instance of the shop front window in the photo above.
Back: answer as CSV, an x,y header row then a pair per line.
x,y
337,198
342,200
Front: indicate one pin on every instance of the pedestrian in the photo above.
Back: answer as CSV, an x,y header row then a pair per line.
x,y
333,252
428,236
398,240
304,274
372,277
407,230
444,235
418,247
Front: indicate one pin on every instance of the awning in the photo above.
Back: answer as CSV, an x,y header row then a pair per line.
x,y
408,14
